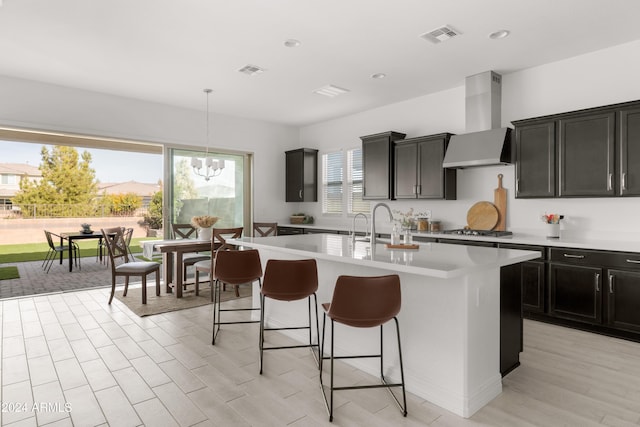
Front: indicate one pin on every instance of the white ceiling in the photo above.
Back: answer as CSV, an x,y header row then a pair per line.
x,y
168,51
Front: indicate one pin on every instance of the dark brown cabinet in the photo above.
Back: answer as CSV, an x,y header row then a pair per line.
x,y
532,279
418,169
301,175
623,299
536,160
575,292
378,165
586,155
629,135
533,286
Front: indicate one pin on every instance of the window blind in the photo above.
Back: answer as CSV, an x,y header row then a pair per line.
x,y
332,182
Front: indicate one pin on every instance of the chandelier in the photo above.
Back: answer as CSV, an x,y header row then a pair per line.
x,y
212,167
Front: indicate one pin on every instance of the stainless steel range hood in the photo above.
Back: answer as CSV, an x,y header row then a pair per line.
x,y
485,143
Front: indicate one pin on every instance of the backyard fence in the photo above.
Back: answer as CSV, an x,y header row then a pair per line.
x,y
35,211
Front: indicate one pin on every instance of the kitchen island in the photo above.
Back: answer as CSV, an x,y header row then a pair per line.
x,y
450,316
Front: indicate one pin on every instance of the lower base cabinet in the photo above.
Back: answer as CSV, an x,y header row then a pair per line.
x,y
623,299
576,292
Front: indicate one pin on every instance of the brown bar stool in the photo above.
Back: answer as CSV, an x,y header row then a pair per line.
x,y
233,268
289,280
363,302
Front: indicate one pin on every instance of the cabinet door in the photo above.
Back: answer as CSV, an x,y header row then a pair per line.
x,y
535,160
623,299
533,289
301,175
586,155
575,292
434,182
377,165
294,175
406,173
629,134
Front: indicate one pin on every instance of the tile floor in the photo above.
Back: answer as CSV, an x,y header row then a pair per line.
x,y
82,362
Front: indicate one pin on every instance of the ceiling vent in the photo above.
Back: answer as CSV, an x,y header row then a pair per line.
x,y
440,34
331,91
251,70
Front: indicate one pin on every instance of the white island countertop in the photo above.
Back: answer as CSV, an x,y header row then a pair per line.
x,y
430,259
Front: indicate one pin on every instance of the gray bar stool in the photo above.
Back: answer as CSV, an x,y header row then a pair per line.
x,y
363,302
289,280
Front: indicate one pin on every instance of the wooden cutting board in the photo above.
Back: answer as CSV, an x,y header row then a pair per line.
x,y
500,200
482,216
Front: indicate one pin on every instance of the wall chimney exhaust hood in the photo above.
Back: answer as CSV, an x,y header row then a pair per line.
x,y
486,143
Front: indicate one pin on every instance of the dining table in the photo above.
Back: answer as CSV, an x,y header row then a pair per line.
x,y
173,252
79,235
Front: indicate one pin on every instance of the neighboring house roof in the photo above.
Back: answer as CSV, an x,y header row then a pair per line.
x,y
139,188
19,169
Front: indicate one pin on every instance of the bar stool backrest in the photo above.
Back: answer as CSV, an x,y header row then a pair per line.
x,y
290,280
365,302
237,267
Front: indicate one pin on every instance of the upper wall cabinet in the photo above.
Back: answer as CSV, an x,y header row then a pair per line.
x,y
378,165
629,136
587,153
418,169
301,175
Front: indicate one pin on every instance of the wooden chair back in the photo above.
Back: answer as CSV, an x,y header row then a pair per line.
x,y
183,231
220,236
264,229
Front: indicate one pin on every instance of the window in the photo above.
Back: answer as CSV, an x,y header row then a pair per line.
x,y
334,186
332,177
355,183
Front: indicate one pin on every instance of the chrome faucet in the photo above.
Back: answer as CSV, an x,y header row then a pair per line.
x,y
353,229
373,219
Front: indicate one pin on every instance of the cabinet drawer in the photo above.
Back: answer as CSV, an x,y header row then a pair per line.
x,y
579,256
625,260
288,231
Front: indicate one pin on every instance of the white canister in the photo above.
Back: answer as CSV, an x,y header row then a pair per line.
x,y
553,230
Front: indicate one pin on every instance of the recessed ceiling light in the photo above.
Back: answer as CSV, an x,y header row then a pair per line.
x,y
378,76
499,34
251,70
289,42
331,91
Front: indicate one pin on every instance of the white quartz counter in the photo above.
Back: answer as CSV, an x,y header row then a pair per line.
x,y
430,259
566,240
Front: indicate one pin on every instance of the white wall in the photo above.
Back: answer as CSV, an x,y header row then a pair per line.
x,y
33,105
590,80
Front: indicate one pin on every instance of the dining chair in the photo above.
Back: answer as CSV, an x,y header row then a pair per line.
x,y
363,302
289,280
236,268
188,231
121,264
219,238
264,229
57,249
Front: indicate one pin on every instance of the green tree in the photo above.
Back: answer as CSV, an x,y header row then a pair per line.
x,y
121,204
183,186
67,179
154,218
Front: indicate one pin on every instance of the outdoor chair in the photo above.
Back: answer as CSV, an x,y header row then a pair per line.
x,y
121,264
188,231
59,249
264,229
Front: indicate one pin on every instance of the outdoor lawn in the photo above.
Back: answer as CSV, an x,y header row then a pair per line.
x,y
38,251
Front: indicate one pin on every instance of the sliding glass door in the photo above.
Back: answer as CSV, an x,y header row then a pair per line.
x,y
225,193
